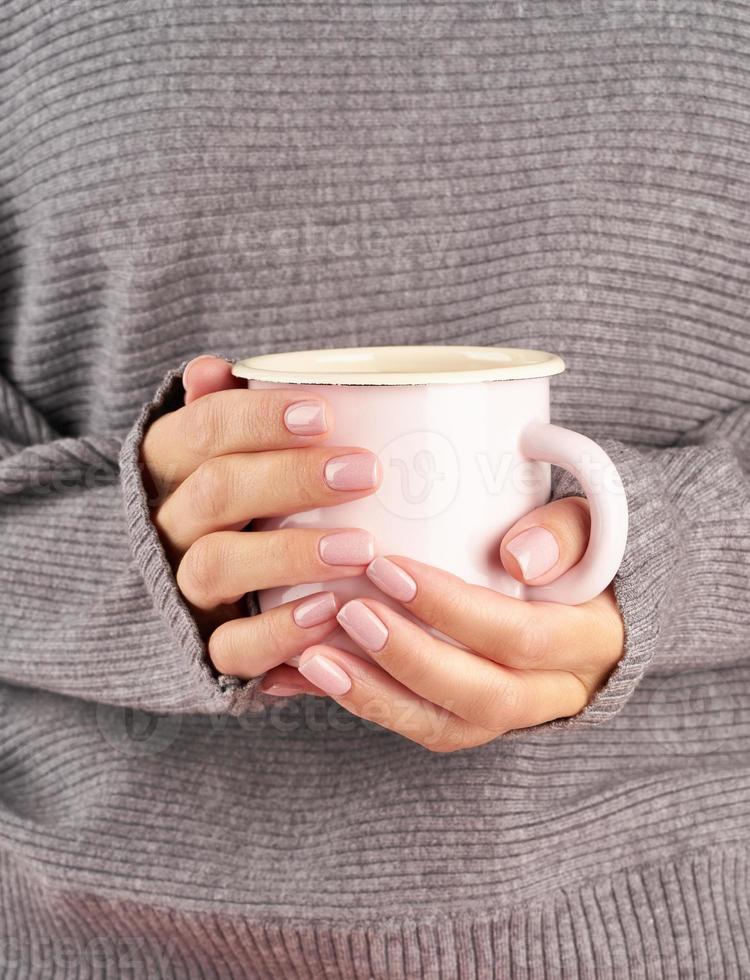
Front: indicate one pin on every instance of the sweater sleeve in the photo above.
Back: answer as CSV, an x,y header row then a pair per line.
x,y
685,577
88,601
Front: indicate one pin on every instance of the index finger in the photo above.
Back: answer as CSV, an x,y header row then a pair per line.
x,y
232,421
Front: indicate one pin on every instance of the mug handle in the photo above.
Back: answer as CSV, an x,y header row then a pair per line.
x,y
605,493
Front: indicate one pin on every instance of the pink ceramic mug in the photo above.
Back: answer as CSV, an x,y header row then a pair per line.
x,y
465,444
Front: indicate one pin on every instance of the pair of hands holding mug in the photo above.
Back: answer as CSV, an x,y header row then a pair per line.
x,y
232,454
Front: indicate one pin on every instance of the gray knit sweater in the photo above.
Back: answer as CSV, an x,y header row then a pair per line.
x,y
240,177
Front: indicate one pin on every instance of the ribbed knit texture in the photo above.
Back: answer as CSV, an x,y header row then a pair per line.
x,y
569,175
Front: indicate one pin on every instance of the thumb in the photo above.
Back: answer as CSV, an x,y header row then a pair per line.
x,y
206,374
547,542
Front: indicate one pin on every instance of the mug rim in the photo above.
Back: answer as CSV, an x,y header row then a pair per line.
x,y
425,365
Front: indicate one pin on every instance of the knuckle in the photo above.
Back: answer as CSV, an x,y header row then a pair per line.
x,y
263,415
607,632
302,472
444,608
287,472
435,747
451,740
573,523
530,640
200,570
498,706
206,422
440,746
410,660
444,733
584,690
272,630
210,488
453,601
288,550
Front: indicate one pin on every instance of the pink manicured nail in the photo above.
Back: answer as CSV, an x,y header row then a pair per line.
x,y
536,551
306,418
355,471
315,609
324,673
282,690
347,548
391,579
364,627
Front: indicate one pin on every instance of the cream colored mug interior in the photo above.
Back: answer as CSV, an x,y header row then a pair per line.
x,y
400,365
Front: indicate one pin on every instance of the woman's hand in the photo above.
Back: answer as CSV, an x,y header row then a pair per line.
x,y
230,455
522,663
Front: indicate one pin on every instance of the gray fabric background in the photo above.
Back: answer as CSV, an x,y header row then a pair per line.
x,y
193,176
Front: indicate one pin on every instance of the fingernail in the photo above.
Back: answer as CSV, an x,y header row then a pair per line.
x,y
188,367
536,551
347,548
324,673
363,626
315,609
282,690
306,418
391,579
356,471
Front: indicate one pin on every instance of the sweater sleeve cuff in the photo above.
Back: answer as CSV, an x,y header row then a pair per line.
x,y
198,687
640,583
